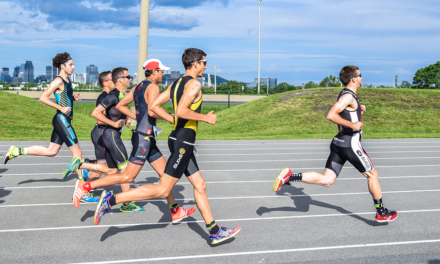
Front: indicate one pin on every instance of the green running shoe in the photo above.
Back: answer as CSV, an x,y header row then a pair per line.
x,y
131,208
13,152
73,166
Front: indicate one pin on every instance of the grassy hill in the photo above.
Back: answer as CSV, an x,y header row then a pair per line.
x,y
391,113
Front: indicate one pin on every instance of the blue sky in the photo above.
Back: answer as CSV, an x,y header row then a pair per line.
x,y
300,40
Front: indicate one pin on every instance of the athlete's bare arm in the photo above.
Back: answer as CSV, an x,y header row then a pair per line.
x,y
191,94
346,101
54,86
122,105
98,114
156,106
151,94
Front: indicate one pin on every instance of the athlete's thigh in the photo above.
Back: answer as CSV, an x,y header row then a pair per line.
x,y
357,156
65,130
335,161
55,138
111,164
159,165
192,167
179,158
116,148
98,144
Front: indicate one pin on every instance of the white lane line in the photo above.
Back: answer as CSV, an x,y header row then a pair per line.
x,y
327,141
134,184
201,221
245,161
286,153
248,253
245,170
238,197
262,149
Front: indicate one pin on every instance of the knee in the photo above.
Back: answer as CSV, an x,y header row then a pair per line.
x,y
327,181
200,187
129,178
52,152
163,192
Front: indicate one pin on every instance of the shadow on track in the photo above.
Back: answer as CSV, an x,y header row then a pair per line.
x,y
434,261
4,193
302,204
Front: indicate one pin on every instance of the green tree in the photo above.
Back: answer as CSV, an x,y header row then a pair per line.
x,y
406,84
428,77
310,84
282,87
330,81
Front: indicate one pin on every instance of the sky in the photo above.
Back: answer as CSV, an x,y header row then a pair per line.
x,y
301,40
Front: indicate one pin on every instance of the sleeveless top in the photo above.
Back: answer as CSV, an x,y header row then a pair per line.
x,y
144,121
176,94
65,98
109,103
352,116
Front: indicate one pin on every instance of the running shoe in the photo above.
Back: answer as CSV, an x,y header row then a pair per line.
x,y
282,179
73,166
88,198
179,213
386,216
103,206
224,234
79,193
84,173
13,152
131,208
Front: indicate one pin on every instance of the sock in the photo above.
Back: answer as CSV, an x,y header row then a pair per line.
x,y
174,205
379,206
296,177
213,228
112,200
22,151
87,187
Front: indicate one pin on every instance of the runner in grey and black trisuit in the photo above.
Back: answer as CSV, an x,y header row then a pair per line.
x,y
346,146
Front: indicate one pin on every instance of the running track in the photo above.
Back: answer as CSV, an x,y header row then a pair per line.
x,y
302,223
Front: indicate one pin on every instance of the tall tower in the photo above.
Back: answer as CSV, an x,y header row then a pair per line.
x,y
143,36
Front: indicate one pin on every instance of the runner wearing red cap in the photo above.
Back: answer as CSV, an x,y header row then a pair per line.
x,y
143,140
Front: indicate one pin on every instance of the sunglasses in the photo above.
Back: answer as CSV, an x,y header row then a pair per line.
x,y
360,75
128,77
204,62
159,70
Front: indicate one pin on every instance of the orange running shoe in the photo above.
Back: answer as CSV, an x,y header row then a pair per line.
x,y
78,193
179,213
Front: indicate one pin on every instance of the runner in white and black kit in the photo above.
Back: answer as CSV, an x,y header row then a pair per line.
x,y
346,146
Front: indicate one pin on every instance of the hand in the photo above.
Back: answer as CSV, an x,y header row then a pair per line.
x,y
172,121
66,110
119,123
357,126
363,108
78,97
128,122
211,118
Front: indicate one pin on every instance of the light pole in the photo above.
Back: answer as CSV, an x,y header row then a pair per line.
x,y
143,36
259,18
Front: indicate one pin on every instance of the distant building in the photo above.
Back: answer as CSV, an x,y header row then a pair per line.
x,y
41,78
92,73
51,73
17,80
263,81
202,80
175,74
16,71
4,76
79,78
134,81
28,72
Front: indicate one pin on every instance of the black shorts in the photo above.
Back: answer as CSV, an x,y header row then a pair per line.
x,y
348,148
98,143
182,159
143,150
115,152
63,131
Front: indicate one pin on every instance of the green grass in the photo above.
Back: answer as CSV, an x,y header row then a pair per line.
x,y
391,113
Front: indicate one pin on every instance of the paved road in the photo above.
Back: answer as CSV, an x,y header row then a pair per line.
x,y
301,223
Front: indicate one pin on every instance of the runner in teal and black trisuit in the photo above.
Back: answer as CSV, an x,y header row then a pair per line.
x,y
63,131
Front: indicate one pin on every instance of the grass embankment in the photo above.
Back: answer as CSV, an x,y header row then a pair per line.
x,y
391,113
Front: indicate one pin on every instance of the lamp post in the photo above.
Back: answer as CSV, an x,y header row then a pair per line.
x,y
143,36
259,18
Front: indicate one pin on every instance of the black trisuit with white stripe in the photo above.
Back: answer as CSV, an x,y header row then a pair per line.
x,y
346,145
181,141
97,132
